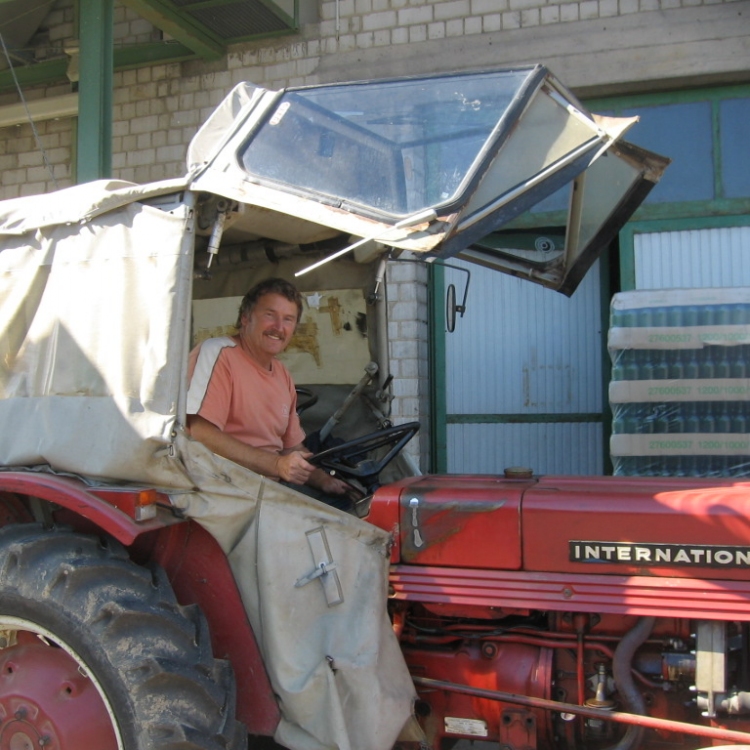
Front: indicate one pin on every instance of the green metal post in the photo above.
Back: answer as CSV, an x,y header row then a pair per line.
x,y
95,90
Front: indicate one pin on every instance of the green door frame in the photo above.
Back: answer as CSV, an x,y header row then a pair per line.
x,y
94,128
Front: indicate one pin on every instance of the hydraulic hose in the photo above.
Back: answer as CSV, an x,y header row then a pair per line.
x,y
622,672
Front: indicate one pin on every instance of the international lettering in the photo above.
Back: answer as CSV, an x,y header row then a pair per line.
x,y
649,554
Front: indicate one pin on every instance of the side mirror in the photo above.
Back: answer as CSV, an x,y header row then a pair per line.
x,y
451,306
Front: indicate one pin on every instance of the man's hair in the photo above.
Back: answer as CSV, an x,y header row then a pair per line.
x,y
269,286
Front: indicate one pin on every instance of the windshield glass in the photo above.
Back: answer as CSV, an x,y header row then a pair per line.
x,y
396,147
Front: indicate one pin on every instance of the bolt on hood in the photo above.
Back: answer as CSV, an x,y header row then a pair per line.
x,y
433,165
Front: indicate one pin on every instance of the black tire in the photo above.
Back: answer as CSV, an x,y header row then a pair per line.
x,y
120,625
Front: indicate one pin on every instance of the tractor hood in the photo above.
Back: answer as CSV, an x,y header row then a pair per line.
x,y
435,165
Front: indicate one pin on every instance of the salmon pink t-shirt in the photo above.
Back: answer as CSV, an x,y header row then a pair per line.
x,y
240,397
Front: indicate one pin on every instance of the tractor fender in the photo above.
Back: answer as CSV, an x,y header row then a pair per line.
x,y
81,499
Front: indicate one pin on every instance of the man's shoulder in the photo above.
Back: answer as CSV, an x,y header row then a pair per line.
x,y
216,344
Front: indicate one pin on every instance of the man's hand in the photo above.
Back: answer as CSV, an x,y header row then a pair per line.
x,y
293,467
328,484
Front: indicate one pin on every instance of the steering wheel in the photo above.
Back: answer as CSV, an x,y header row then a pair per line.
x,y
350,459
305,399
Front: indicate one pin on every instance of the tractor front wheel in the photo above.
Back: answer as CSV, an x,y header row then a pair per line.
x,y
95,652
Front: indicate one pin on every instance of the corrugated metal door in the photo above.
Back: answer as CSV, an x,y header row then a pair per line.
x,y
523,377
696,258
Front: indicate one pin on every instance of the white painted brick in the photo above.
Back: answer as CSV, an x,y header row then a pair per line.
x,y
407,408
628,6
401,311
327,29
418,33
33,188
454,27
310,65
13,176
267,56
401,349
142,108
143,124
29,159
492,23
400,272
327,11
249,57
382,38
137,158
409,329
364,41
143,141
569,12
436,30
589,9
411,16
473,25
400,36
530,17
331,46
453,9
512,20
362,7
37,174
550,14
376,21
186,118
380,5
281,71
142,173
408,368
482,7
405,387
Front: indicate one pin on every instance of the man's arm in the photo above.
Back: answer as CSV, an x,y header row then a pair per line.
x,y
290,465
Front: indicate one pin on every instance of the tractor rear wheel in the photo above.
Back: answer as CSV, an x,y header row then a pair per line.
x,y
95,652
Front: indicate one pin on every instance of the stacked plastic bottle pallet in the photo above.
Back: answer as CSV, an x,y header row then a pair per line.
x,y
680,386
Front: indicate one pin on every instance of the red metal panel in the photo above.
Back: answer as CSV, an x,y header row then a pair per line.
x,y
559,510
200,574
624,595
463,521
524,670
79,498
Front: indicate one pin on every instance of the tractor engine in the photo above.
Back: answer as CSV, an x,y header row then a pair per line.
x,y
573,612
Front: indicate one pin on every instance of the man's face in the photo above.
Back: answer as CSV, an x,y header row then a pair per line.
x,y
267,329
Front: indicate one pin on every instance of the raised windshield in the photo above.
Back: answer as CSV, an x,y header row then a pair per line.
x,y
395,147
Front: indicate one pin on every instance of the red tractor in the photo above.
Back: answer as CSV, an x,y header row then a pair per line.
x,y
532,612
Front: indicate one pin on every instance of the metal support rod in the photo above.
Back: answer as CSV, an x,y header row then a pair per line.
x,y
370,372
620,717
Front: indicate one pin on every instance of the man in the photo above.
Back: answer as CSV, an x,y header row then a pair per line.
x,y
242,401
